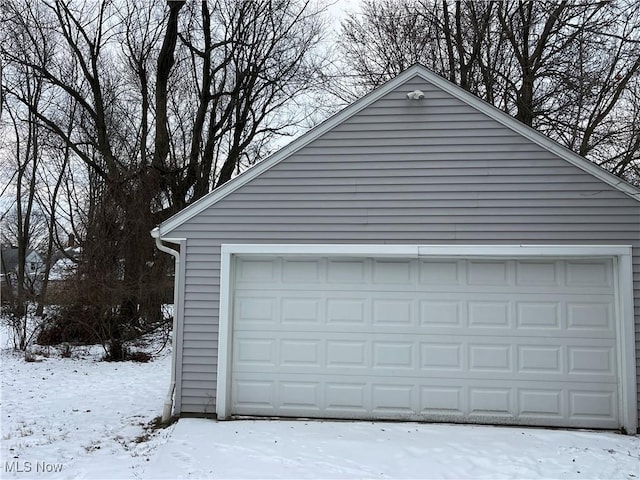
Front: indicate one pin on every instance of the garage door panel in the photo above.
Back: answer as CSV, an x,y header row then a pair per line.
x,y
542,359
537,273
494,401
303,396
466,356
489,273
348,272
301,271
489,313
301,352
490,357
393,272
347,398
255,270
592,273
255,309
254,394
591,360
541,403
588,313
442,400
440,273
502,341
588,404
541,314
253,353
441,312
342,353
348,312
300,310
393,312
441,356
440,288
397,355
561,404
393,399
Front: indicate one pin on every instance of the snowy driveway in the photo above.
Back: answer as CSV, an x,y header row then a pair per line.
x,y
199,448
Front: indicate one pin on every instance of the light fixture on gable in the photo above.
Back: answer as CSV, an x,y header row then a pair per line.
x,y
415,95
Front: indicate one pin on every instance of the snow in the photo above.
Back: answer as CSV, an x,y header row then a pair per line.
x,y
201,448
62,269
81,418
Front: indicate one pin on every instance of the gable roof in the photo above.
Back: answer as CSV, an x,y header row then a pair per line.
x,y
417,70
9,261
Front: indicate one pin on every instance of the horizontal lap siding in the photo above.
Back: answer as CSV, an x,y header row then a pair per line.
x,y
434,171
197,374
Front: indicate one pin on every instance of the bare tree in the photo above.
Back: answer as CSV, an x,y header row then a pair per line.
x,y
150,106
26,92
388,36
250,63
568,69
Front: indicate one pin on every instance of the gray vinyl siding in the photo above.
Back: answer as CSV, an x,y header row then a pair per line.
x,y
398,172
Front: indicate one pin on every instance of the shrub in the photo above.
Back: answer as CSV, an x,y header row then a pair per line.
x,y
69,324
128,355
142,357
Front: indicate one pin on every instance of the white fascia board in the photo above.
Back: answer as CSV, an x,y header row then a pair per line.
x,y
530,133
288,150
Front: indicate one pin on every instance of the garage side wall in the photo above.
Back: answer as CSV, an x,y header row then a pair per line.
x,y
434,171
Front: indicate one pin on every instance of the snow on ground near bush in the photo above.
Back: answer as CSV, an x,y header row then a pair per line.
x,y
78,417
201,448
81,418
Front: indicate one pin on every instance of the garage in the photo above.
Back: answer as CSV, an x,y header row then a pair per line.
x,y
527,341
428,259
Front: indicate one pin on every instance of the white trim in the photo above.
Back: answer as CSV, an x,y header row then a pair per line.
x,y
376,250
622,254
321,249
626,343
438,81
225,339
561,251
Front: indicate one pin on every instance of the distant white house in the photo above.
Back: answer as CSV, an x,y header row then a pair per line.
x,y
34,264
33,267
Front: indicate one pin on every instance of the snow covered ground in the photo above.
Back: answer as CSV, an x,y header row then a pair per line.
x,y
310,449
80,418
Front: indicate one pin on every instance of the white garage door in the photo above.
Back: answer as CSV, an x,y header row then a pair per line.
x,y
529,342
